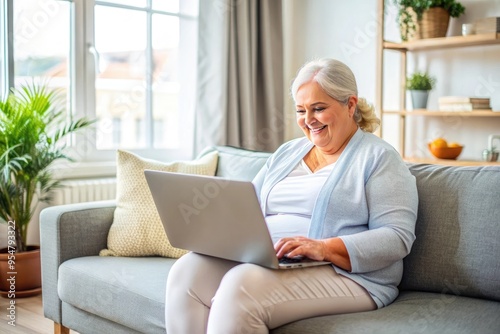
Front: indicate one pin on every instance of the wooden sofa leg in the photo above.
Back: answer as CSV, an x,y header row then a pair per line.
x,y
60,329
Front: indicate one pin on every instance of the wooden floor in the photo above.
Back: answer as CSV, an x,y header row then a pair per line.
x,y
29,317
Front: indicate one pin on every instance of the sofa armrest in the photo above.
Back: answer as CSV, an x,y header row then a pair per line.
x,y
67,232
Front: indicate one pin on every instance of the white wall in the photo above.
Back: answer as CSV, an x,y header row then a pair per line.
x,y
347,31
336,29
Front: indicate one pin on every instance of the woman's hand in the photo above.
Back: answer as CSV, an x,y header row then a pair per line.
x,y
301,246
332,250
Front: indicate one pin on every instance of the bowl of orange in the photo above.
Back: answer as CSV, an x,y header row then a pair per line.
x,y
441,149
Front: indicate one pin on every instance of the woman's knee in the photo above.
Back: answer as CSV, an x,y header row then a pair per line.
x,y
184,271
240,303
246,277
197,274
246,287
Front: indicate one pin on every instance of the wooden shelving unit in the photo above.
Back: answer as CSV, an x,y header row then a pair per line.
x,y
437,113
444,43
451,162
425,45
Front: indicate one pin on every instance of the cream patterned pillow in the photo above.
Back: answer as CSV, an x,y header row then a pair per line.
x,y
137,229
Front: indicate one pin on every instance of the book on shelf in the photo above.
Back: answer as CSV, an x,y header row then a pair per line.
x,y
487,25
463,103
486,31
463,107
464,99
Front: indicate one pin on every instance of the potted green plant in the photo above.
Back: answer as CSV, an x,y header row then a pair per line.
x,y
32,132
419,84
426,18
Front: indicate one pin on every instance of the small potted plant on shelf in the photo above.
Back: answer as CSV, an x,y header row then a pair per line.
x,y
420,19
32,133
419,84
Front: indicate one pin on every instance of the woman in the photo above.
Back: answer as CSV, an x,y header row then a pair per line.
x,y
345,189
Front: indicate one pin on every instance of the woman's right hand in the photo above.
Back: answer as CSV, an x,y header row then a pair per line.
x,y
332,250
301,246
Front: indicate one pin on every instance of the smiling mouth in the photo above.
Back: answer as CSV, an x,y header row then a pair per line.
x,y
317,130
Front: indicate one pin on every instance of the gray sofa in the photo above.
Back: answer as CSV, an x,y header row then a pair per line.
x,y
451,281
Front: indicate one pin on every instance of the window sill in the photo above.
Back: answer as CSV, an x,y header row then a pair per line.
x,y
81,170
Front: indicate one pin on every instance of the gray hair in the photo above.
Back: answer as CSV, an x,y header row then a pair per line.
x,y
338,81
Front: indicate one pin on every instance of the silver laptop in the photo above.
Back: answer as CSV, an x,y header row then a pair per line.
x,y
217,217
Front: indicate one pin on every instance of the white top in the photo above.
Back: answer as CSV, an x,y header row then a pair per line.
x,y
291,201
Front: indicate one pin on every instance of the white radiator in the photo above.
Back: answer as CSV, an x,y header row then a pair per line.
x,y
85,190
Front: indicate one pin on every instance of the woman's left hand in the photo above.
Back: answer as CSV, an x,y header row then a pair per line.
x,y
301,246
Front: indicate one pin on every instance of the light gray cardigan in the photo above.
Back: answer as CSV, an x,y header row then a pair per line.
x,y
370,200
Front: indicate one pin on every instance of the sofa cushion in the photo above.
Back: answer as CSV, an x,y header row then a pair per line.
x,y
125,290
237,163
137,229
457,247
411,312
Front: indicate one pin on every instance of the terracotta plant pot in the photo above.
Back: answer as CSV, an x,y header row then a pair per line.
x,y
22,276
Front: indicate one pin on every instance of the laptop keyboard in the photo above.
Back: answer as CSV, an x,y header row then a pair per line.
x,y
287,260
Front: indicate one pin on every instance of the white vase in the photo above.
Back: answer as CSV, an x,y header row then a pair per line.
x,y
419,98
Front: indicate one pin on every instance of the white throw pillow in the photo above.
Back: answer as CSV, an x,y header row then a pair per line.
x,y
137,229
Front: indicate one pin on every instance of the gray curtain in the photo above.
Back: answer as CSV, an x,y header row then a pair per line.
x,y
240,74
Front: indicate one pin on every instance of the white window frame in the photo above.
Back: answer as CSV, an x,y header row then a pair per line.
x,y
6,51
84,48
82,90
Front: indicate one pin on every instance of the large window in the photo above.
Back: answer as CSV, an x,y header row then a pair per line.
x,y
41,45
129,64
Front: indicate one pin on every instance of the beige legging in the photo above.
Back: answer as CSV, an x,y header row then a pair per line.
x,y
210,295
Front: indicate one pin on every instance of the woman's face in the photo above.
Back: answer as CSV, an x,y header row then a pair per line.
x,y
325,121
